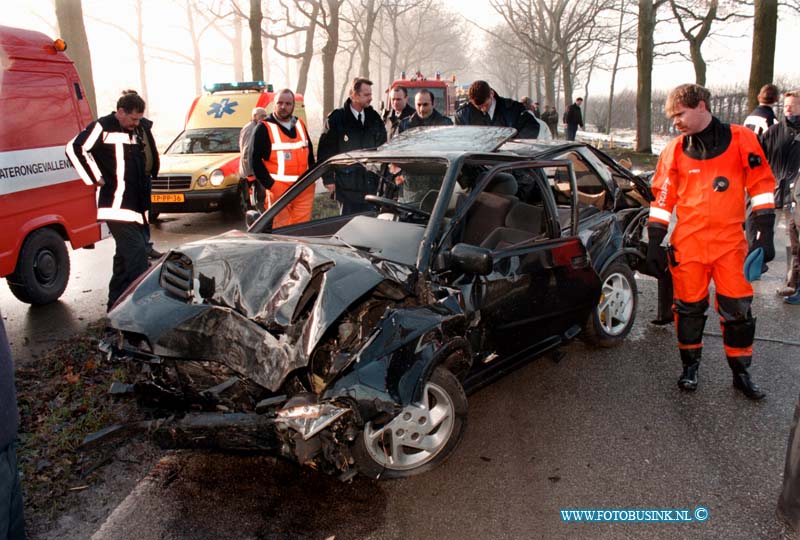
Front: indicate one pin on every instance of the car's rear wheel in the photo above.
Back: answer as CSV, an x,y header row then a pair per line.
x,y
615,313
423,435
42,268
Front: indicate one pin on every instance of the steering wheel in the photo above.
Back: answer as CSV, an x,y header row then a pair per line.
x,y
383,202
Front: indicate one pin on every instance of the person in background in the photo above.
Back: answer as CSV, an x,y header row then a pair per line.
x,y
245,144
12,520
110,155
486,108
281,152
781,144
397,111
704,175
763,116
426,114
574,118
354,126
550,117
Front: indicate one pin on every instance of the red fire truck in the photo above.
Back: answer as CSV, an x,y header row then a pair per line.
x,y
443,92
43,201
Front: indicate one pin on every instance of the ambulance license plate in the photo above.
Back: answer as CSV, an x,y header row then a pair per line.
x,y
167,197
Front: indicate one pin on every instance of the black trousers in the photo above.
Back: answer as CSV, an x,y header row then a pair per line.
x,y
572,130
130,258
12,522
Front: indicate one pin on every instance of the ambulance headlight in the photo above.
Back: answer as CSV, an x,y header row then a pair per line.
x,y
217,177
202,180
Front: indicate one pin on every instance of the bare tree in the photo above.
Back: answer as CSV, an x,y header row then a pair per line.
x,y
329,11
390,41
362,21
137,38
69,14
301,17
256,60
695,17
648,10
762,60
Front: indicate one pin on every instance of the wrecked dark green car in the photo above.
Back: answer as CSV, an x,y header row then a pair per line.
x,y
349,342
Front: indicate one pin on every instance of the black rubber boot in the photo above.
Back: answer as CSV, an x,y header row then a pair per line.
x,y
691,364
741,378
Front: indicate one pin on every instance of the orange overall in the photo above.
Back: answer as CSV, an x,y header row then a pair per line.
x,y
288,160
708,242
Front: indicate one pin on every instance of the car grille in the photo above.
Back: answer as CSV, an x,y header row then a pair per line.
x,y
177,275
172,182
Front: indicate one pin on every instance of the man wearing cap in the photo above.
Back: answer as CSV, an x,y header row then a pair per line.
x,y
704,175
245,145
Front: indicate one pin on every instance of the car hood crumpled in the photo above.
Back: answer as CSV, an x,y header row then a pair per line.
x,y
259,303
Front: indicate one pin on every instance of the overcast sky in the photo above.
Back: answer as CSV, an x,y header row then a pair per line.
x,y
171,86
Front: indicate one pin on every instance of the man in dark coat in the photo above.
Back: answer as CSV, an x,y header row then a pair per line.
x,y
355,126
109,154
573,118
397,111
426,114
486,108
763,116
781,144
12,523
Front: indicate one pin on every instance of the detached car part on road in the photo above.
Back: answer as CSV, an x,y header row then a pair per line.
x,y
347,343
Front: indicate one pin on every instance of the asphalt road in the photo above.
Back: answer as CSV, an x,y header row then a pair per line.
x,y
602,429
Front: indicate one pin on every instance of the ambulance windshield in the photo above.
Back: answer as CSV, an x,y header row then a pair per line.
x,y
206,141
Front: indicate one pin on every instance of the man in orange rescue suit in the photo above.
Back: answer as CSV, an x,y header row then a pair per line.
x,y
281,152
703,175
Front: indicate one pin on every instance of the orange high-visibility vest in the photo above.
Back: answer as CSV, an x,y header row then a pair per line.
x,y
289,156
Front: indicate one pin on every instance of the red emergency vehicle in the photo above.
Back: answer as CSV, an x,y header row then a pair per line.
x,y
444,99
43,201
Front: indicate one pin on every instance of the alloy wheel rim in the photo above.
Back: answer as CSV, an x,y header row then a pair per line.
x,y
615,308
416,435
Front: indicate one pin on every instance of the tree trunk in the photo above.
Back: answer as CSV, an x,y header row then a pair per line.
x,y
238,61
369,27
70,25
610,114
256,62
762,63
699,64
644,69
308,52
140,51
329,57
197,62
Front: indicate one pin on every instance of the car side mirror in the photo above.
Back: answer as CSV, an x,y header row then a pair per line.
x,y
472,259
250,217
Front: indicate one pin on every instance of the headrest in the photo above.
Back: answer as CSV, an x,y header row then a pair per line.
x,y
503,184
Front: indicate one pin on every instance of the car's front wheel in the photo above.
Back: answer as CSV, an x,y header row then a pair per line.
x,y
615,313
423,435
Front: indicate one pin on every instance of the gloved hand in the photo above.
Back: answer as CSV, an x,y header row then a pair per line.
x,y
765,225
656,255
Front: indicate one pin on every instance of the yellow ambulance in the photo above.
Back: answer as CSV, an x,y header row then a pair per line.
x,y
200,169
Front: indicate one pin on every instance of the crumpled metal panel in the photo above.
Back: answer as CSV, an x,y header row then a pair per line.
x,y
270,304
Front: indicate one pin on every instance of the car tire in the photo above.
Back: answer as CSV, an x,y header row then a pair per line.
x,y
444,398
612,319
238,206
42,270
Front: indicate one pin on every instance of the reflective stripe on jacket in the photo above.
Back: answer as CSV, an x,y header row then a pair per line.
x,y
288,159
708,195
